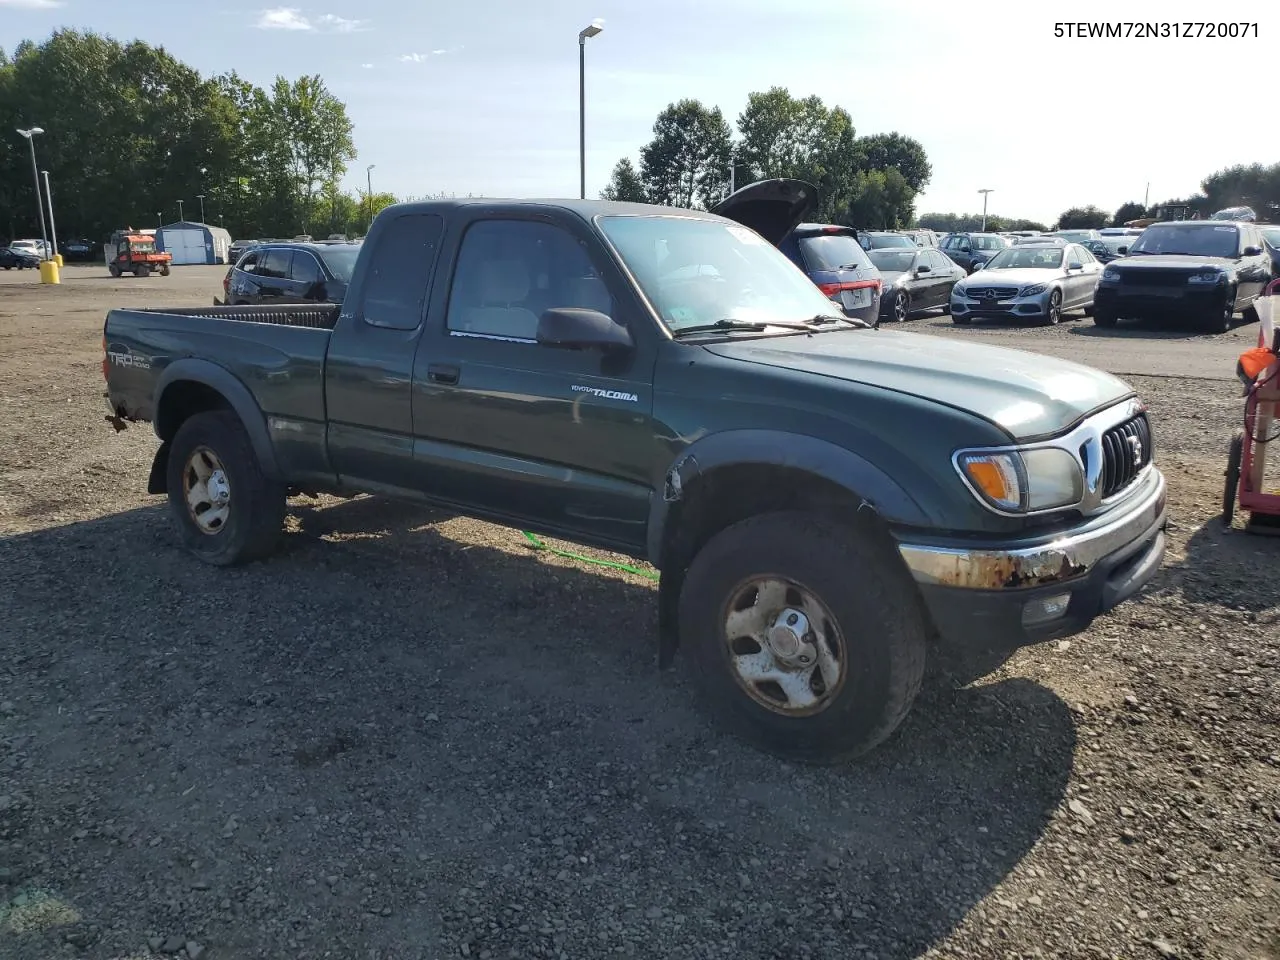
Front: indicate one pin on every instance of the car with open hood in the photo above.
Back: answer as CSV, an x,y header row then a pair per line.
x,y
825,501
1031,281
829,254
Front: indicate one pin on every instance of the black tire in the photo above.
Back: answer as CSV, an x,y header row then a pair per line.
x,y
1053,313
1224,319
1104,318
1250,314
882,621
1235,454
164,271
113,270
963,321
256,508
142,270
901,306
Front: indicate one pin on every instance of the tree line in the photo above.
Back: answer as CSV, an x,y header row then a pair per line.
x,y
1252,185
130,131
694,159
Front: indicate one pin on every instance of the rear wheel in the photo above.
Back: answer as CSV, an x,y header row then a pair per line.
x,y
141,270
164,271
785,653
228,511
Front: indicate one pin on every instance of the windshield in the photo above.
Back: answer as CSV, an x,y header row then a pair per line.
x,y
879,242
892,261
1271,235
1196,240
142,246
703,271
833,251
1075,235
341,262
1027,258
989,243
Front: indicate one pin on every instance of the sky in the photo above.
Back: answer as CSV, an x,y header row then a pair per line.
x,y
482,98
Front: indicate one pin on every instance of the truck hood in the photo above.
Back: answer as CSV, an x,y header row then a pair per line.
x,y
1027,394
1169,261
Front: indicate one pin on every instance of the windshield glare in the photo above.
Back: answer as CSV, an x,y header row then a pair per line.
x,y
1027,258
832,251
989,243
703,271
891,240
893,261
341,263
1199,240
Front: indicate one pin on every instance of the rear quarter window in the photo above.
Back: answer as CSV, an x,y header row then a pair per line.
x,y
399,271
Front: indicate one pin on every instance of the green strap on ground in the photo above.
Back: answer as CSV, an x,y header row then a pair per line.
x,y
539,545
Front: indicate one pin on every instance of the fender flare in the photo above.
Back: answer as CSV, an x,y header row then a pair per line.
x,y
236,394
779,448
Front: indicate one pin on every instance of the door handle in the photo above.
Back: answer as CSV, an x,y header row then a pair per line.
x,y
442,373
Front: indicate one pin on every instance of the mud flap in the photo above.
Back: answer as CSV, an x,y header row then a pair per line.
x,y
158,482
668,618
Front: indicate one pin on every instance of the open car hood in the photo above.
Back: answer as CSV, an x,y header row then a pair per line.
x,y
772,208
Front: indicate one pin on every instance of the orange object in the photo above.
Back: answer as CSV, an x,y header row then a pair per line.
x,y
1253,362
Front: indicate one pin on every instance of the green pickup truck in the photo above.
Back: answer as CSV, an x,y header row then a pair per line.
x,y
824,500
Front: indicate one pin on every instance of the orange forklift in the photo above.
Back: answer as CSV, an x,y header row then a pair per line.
x,y
131,252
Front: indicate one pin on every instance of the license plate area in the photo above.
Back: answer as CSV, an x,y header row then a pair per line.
x,y
856,299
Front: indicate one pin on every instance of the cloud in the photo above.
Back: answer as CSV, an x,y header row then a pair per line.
x,y
337,24
366,66
414,58
31,4
292,18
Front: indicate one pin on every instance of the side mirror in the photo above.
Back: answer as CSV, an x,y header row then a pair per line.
x,y
1075,265
1122,250
572,328
923,268
966,249
978,265
1253,251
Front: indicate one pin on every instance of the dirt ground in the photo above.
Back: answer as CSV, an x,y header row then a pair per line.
x,y
410,736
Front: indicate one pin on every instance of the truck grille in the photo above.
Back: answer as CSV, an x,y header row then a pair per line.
x,y
1154,277
1126,452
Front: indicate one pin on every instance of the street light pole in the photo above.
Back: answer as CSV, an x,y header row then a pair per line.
x,y
179,211
53,231
984,208
31,134
200,197
368,194
583,36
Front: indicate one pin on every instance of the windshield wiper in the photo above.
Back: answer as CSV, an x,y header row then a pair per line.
x,y
820,318
731,324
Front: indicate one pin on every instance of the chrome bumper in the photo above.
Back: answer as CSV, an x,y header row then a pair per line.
x,y
1068,558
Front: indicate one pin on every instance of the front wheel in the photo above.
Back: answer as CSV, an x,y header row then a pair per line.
x,y
228,511
113,270
1104,318
1053,313
1224,318
901,306
807,637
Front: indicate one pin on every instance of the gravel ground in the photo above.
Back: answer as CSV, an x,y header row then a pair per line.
x,y
411,736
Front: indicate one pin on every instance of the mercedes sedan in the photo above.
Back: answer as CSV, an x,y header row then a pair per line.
x,y
1029,282
914,280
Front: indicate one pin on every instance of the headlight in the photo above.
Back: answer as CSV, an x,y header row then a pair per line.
x,y
958,290
1208,277
1022,481
1110,275
1034,290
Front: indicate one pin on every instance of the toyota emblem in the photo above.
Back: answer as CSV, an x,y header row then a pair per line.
x,y
1136,446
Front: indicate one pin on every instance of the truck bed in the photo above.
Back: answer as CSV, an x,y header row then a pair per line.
x,y
314,316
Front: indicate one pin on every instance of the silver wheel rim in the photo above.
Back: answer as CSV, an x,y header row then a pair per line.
x,y
207,491
1055,307
783,646
900,310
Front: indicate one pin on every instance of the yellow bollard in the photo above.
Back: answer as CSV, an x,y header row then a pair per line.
x,y
49,272
57,258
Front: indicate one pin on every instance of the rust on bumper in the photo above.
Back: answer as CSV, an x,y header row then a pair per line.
x,y
1069,557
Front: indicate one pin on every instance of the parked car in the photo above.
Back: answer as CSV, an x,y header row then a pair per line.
x,y
1039,238
38,248
1200,271
272,273
1119,232
914,280
922,237
884,239
970,249
1076,236
822,499
18,258
1033,281
1111,247
829,254
1271,239
239,248
79,250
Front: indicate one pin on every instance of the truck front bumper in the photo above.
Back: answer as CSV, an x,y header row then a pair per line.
x,y
1011,595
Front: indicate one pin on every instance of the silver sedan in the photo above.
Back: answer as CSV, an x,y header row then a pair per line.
x,y
1032,281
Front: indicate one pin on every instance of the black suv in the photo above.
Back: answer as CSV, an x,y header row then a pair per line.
x,y
1203,271
273,273
971,249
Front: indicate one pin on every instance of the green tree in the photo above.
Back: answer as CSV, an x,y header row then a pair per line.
x,y
882,151
1126,212
1083,218
1254,185
686,164
625,184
